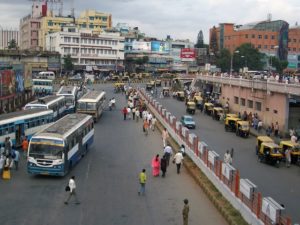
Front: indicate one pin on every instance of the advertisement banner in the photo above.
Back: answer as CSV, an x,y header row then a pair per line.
x,y
141,46
19,71
159,46
188,54
53,63
8,82
27,77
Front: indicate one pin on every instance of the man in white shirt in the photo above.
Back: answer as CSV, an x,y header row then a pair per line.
x,y
294,138
72,186
227,157
178,158
165,136
168,152
153,122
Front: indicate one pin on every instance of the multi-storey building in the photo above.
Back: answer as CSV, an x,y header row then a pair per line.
x,y
6,36
93,20
294,47
87,47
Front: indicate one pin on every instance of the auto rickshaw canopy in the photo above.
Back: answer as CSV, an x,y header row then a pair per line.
x,y
198,98
119,84
264,139
243,124
275,149
218,109
191,104
180,93
295,147
232,115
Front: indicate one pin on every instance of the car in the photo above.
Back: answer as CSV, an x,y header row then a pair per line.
x,y
76,77
188,121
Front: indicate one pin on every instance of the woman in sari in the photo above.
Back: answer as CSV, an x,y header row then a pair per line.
x,y
155,166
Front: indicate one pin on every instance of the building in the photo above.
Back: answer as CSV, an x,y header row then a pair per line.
x,y
269,37
93,20
105,50
6,36
294,48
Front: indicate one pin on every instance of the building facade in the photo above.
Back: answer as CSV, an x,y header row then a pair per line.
x,y
294,48
7,36
29,30
93,20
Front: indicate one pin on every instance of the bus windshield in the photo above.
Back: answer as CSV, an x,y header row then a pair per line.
x,y
46,151
86,106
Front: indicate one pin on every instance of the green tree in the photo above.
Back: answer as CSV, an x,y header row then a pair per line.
x,y
280,65
12,44
68,64
223,60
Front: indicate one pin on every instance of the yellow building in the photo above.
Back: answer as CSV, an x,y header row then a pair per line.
x,y
88,19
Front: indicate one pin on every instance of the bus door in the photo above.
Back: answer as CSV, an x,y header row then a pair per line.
x,y
80,147
19,131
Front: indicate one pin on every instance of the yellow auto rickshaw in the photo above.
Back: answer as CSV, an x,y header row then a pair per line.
x,y
115,78
138,76
230,123
199,101
217,113
150,85
208,108
242,128
270,152
158,83
261,139
180,95
232,115
295,153
125,78
118,87
191,107
166,91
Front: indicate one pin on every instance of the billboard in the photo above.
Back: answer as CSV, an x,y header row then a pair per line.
x,y
160,46
141,46
19,71
188,54
8,82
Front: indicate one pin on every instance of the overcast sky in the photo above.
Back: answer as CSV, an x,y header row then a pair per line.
x,y
179,18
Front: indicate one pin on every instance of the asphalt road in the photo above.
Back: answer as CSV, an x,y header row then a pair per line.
x,y
107,185
282,183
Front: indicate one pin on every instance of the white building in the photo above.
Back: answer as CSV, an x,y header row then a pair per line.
x,y
87,48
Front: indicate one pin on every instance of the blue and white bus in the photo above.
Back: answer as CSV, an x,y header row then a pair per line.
x,y
70,93
23,123
56,103
56,149
42,87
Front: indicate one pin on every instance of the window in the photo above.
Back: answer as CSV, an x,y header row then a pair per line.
x,y
294,49
243,102
265,46
246,35
273,37
289,40
267,109
236,100
294,40
258,106
253,36
275,111
259,36
266,36
91,26
259,46
250,104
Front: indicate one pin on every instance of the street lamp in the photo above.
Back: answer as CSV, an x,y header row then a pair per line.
x,y
231,61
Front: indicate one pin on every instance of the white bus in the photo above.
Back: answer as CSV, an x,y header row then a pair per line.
x,y
92,103
56,103
56,149
42,86
23,123
70,93
46,75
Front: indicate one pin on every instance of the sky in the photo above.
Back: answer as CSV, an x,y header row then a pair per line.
x,y
182,19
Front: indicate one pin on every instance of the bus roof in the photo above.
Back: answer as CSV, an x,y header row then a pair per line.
x,y
65,126
92,96
45,80
47,100
67,90
22,115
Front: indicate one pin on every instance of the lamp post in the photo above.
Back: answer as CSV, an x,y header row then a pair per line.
x,y
231,61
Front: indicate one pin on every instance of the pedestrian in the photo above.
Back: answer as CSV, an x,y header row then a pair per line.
x,y
178,158
182,150
16,158
185,212
155,166
294,138
110,105
124,111
146,127
133,113
165,136
168,152
163,165
7,146
288,157
231,153
276,129
25,146
227,157
153,122
137,115
142,180
72,187
2,161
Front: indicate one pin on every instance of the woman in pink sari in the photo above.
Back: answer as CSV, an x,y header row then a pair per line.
x,y
155,166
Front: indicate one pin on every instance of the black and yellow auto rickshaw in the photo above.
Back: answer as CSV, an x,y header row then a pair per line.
x,y
150,85
217,113
230,123
208,108
125,78
180,95
232,115
166,91
199,101
118,87
242,128
270,152
261,139
191,107
115,78
158,83
295,150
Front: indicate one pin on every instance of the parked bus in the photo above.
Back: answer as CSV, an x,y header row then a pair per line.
x,y
23,123
42,87
56,103
56,149
70,93
46,75
92,103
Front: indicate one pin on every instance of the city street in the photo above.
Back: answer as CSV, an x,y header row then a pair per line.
x,y
282,183
107,184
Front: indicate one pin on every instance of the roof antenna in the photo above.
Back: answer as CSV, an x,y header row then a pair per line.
x,y
269,17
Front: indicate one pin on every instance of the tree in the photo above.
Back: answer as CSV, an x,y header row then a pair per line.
x,y
214,46
280,65
68,64
223,60
12,44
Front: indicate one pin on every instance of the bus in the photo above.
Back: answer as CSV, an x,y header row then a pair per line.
x,y
56,103
42,86
18,124
46,75
70,93
56,149
92,103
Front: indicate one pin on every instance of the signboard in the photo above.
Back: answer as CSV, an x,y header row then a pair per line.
x,y
227,170
141,46
19,71
8,82
271,208
27,77
212,157
54,63
159,46
247,188
188,54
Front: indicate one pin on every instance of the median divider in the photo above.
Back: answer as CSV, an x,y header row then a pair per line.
x,y
237,199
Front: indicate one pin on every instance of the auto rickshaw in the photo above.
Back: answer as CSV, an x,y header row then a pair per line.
x,y
180,95
118,87
217,113
261,139
270,152
125,78
230,123
242,128
208,108
115,78
138,76
232,115
158,83
199,101
295,153
191,107
149,85
166,91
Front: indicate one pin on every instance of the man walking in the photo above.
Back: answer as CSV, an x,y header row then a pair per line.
x,y
142,180
167,152
16,158
163,165
185,212
178,158
72,186
165,136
